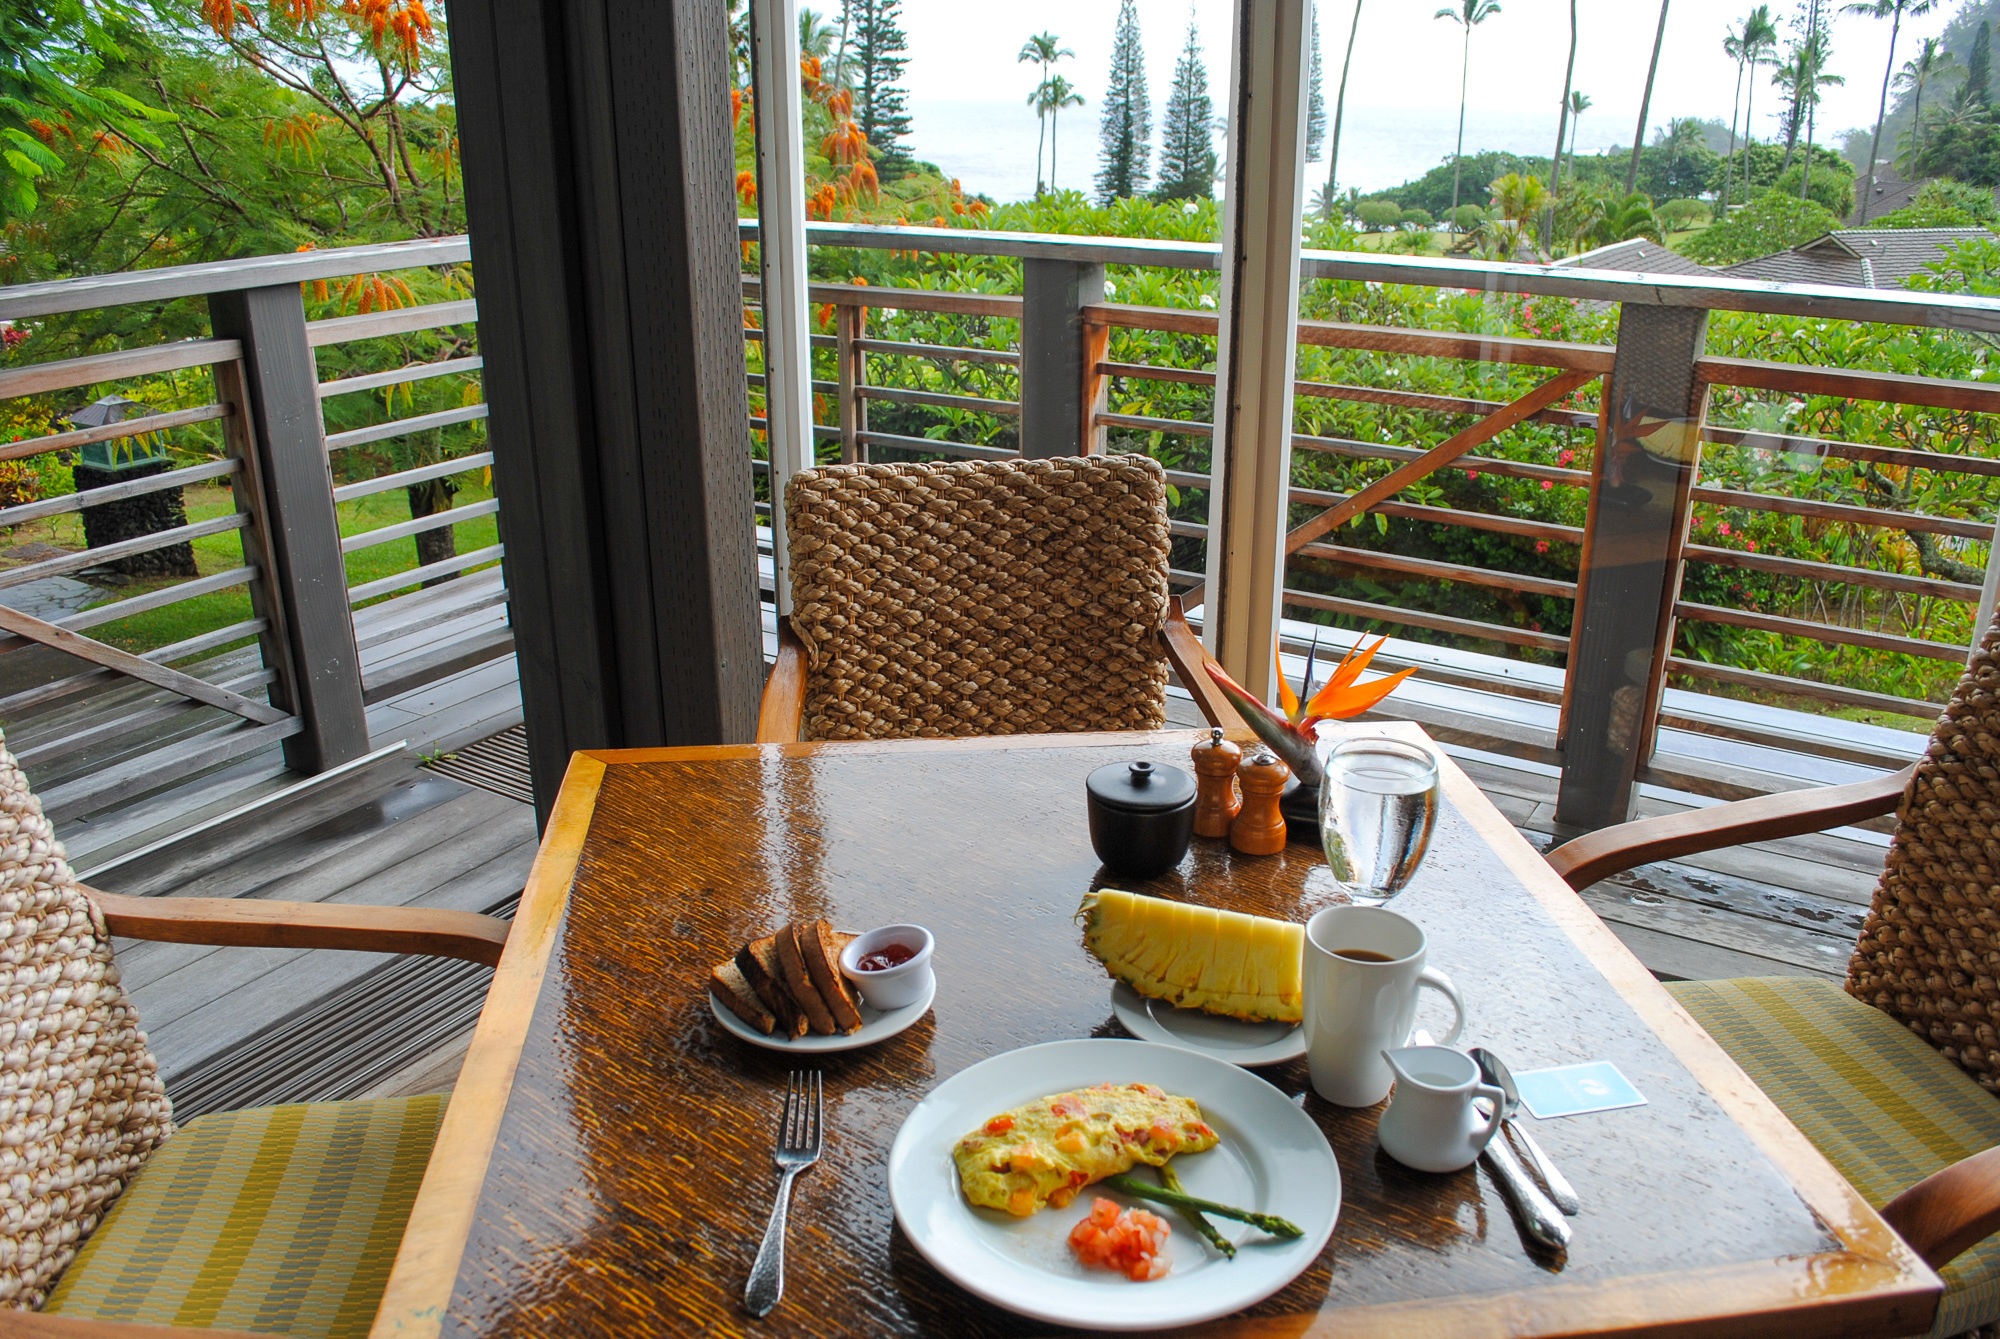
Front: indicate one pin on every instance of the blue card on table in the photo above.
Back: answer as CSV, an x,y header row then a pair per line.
x,y
1575,1090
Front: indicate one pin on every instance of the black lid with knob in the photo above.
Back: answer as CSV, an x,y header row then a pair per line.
x,y
1141,787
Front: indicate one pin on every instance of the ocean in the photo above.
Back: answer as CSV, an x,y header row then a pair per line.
x,y
990,146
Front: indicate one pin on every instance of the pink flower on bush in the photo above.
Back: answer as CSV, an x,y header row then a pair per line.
x,y
1541,546
1565,458
1753,546
1547,484
1724,527
1472,474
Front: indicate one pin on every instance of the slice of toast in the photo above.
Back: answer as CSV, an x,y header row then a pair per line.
x,y
758,961
726,982
822,954
792,971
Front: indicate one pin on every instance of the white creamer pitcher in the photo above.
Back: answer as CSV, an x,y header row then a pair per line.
x,y
1431,1124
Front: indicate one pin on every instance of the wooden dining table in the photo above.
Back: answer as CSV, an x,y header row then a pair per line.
x,y
605,1164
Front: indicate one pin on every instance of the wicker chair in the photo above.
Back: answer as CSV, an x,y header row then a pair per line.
x,y
278,1220
1893,1079
980,598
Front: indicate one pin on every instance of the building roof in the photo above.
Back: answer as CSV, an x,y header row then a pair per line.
x,y
1638,256
1857,257
1891,192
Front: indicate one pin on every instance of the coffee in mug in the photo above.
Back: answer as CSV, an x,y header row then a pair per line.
x,y
1363,966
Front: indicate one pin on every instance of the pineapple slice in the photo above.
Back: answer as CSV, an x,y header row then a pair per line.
x,y
1223,962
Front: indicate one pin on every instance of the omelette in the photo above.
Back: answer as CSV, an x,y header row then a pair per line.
x,y
1046,1151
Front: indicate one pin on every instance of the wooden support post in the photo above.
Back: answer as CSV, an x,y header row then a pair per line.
x,y
1053,295
1251,453
298,529
1648,450
781,247
600,188
1096,386
850,327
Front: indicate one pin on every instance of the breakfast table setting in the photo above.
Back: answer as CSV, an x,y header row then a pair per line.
x,y
1100,1032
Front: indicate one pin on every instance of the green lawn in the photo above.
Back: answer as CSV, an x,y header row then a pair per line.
x,y
221,553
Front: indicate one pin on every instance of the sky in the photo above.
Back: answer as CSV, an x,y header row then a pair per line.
x,y
968,92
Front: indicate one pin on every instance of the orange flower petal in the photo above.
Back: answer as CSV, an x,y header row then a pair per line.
x,y
1355,700
1286,697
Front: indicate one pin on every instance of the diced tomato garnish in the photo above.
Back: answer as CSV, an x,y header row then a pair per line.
x,y
1000,1125
1133,1242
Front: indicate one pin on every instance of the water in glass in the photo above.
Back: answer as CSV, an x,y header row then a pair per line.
x,y
1377,808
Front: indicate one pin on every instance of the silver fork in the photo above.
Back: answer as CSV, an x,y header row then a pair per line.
x,y
798,1148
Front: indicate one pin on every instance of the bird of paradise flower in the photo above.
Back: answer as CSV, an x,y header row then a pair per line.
x,y
1292,736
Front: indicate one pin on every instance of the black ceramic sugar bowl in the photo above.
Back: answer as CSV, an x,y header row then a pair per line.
x,y
1141,817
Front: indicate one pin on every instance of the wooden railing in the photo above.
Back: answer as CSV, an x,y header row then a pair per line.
x,y
259,426
1054,380
1568,384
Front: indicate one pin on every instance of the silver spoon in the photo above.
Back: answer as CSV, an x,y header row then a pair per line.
x,y
1494,1071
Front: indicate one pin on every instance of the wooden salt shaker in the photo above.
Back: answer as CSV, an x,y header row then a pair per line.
x,y
1259,828
1215,800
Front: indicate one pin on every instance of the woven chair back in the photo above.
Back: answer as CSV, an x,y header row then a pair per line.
x,y
1929,953
81,1104
980,598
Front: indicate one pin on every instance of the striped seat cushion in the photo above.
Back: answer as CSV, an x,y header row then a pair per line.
x,y
283,1220
1883,1106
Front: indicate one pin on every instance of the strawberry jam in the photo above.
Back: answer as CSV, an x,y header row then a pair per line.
x,y
889,955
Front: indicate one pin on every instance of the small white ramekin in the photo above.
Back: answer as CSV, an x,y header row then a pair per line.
x,y
896,987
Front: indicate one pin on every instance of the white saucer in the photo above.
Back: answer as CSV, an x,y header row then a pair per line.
x,y
875,1026
1225,1039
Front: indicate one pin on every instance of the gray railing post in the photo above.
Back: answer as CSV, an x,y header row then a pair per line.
x,y
1054,347
305,574
1648,449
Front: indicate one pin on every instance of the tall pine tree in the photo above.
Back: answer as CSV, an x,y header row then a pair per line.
x,y
1978,87
873,65
1125,134
1315,101
1187,139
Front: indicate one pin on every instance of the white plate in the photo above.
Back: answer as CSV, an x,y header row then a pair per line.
x,y
875,1026
1272,1158
1227,1039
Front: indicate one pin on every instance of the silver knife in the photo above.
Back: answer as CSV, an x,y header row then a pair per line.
x,y
1543,1222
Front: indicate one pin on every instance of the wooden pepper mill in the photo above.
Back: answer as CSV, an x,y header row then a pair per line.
x,y
1259,828
1215,800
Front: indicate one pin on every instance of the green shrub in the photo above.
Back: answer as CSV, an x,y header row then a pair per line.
x,y
1680,215
1831,187
1375,215
1416,218
1772,222
1467,218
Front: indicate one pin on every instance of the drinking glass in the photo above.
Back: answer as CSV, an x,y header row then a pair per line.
x,y
1377,807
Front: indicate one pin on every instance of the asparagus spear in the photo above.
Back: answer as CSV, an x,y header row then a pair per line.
x,y
1171,1179
1264,1222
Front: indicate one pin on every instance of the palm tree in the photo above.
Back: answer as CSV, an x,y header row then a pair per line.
x,y
1646,103
1562,128
1468,15
1751,44
1055,94
1932,64
1045,49
1340,108
1893,10
816,35
1579,103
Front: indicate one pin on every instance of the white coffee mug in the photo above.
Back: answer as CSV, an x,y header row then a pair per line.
x,y
1362,969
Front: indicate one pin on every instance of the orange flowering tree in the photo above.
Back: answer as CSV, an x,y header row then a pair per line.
x,y
370,81
841,178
